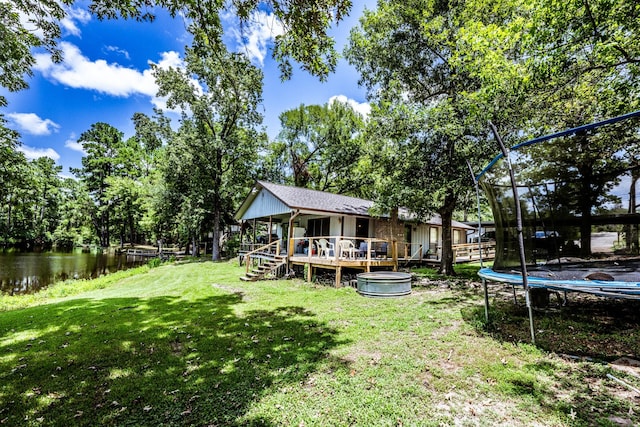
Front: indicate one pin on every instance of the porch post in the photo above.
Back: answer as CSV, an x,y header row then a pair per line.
x,y
254,233
241,242
309,272
291,245
338,276
270,228
394,254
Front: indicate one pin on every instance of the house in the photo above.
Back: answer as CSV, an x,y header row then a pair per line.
x,y
316,229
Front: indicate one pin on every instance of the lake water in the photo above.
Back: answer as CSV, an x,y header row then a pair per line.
x,y
28,272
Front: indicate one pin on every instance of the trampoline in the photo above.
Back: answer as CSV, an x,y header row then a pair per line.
x,y
576,224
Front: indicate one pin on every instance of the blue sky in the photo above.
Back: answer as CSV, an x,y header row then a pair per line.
x,y
105,77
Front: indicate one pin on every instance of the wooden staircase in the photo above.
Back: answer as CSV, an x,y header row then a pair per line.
x,y
267,268
267,263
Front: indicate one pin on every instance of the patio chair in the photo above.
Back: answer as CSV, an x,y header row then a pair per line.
x,y
364,247
346,246
324,247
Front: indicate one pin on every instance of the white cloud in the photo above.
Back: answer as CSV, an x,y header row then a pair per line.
x,y
74,15
170,59
256,35
72,144
32,124
69,23
364,108
35,153
78,71
118,50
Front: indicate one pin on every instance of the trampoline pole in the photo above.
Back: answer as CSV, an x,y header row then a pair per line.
x,y
486,301
516,201
477,186
484,282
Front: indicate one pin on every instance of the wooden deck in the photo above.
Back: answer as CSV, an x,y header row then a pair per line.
x,y
338,260
334,263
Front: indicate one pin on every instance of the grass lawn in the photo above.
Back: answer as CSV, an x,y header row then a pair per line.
x,y
189,344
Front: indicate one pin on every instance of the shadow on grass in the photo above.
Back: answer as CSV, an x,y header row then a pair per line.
x,y
589,329
151,361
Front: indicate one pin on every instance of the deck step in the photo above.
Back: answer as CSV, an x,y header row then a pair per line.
x,y
270,262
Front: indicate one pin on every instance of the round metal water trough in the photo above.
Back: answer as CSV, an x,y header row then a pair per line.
x,y
384,284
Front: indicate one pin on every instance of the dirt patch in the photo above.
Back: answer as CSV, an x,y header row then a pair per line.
x,y
627,365
357,354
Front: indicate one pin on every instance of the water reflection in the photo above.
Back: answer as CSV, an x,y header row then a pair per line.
x,y
28,272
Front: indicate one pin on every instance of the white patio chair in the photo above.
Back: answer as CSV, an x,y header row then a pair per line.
x,y
324,246
346,246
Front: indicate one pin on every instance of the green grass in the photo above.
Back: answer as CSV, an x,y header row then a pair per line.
x,y
190,344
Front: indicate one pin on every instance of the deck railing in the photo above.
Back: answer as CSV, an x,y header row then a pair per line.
x,y
376,248
271,249
473,251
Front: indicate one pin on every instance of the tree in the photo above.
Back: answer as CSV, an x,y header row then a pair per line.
x,y
319,147
27,25
107,156
585,67
210,158
584,167
418,60
75,225
46,188
13,166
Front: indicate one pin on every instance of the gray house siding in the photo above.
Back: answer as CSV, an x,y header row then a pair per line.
x,y
265,205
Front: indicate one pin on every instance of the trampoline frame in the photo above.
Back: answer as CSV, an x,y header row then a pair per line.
x,y
608,289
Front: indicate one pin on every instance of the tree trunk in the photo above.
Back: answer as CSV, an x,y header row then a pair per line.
x,y
585,223
631,230
585,235
9,219
215,247
587,199
217,188
446,214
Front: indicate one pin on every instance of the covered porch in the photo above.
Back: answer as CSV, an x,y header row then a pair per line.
x,y
319,230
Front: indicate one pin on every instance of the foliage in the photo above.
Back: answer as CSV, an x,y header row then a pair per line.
x,y
587,72
109,160
319,147
28,25
210,156
36,205
420,62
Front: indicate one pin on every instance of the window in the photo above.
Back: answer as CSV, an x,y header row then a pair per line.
x,y
318,227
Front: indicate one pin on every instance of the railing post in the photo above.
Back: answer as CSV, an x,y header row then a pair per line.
x,y
394,254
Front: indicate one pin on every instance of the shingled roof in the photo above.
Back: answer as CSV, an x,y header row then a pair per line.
x,y
313,201
305,199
